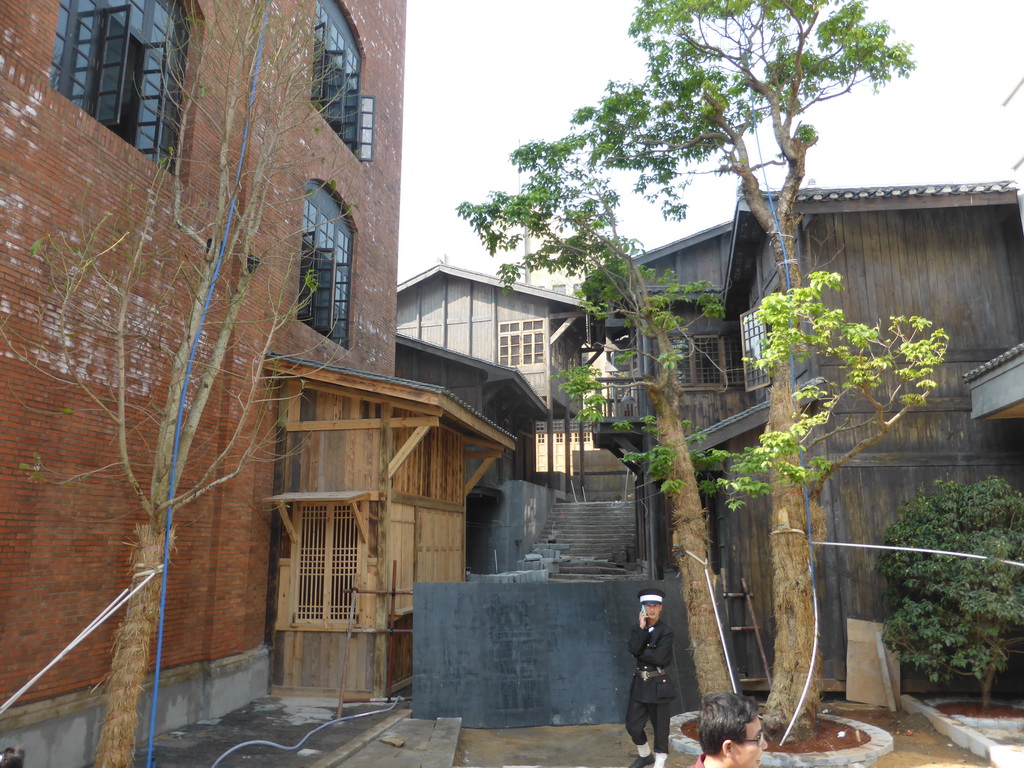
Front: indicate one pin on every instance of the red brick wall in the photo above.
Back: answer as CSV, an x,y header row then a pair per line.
x,y
62,547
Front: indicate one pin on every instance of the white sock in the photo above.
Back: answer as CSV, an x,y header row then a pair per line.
x,y
659,759
643,750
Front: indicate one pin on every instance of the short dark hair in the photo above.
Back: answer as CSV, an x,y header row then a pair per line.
x,y
723,716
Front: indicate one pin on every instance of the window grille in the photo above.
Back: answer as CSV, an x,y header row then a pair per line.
x,y
123,64
521,343
325,267
709,362
754,334
328,562
337,74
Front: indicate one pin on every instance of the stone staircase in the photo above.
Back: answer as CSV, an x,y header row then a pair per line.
x,y
587,541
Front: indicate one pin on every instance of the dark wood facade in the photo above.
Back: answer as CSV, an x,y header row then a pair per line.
x,y
954,255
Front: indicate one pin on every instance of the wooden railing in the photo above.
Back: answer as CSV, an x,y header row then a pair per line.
x,y
625,398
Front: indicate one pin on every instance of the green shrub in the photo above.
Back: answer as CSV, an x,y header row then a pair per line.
x,y
952,615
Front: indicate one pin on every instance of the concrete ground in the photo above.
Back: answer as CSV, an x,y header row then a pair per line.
x,y
385,737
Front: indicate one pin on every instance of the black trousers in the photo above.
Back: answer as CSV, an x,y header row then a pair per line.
x,y
637,715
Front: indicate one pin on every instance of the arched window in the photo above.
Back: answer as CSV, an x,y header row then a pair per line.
x,y
121,62
325,270
337,71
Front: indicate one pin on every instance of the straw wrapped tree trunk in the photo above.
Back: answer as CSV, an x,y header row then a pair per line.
x,y
132,653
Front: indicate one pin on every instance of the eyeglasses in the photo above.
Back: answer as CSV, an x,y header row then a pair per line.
x,y
760,740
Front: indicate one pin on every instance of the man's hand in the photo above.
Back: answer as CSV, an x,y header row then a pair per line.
x,y
643,619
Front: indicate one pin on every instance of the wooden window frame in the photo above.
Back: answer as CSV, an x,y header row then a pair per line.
x,y
708,362
327,561
521,343
753,332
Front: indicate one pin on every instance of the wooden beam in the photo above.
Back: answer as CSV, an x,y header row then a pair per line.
x,y
561,329
425,502
403,453
343,424
482,454
361,515
331,426
282,508
350,496
416,421
484,466
470,440
377,392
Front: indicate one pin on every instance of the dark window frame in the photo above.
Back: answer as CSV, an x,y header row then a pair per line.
x,y
337,81
754,334
122,62
709,361
325,268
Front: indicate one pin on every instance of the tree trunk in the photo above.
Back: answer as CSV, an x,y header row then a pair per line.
x,y
689,533
130,661
986,687
792,598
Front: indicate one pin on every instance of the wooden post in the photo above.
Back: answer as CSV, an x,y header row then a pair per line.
x,y
380,641
344,654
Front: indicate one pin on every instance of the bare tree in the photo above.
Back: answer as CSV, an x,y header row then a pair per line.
x,y
188,283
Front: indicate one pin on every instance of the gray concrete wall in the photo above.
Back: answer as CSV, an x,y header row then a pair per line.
x,y
64,731
518,655
500,535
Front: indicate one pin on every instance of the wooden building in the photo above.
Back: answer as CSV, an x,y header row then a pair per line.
x,y
372,482
953,254
539,332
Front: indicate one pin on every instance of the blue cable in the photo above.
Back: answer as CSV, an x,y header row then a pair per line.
x,y
792,383
184,390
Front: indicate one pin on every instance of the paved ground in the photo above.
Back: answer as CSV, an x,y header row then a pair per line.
x,y
283,721
387,738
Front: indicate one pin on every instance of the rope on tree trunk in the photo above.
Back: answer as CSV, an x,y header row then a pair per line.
x,y
105,614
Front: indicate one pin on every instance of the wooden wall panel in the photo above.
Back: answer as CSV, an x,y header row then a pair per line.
x,y
402,549
458,337
432,294
312,659
440,545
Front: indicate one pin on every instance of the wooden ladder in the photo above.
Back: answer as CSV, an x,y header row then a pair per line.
x,y
752,627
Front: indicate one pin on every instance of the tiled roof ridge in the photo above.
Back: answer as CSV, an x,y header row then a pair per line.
x,y
908,190
1009,354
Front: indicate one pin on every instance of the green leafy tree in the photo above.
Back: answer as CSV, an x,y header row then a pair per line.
x,y
716,70
882,374
568,209
952,615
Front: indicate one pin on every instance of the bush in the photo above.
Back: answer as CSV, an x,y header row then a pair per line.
x,y
953,615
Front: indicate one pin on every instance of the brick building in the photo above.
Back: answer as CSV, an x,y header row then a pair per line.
x,y
94,96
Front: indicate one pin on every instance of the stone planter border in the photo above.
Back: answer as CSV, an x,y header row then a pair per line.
x,y
879,744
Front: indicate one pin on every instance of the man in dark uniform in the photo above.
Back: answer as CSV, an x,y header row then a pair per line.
x,y
650,693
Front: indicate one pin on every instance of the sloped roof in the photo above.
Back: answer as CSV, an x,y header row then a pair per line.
x,y
495,371
417,391
480,277
1010,354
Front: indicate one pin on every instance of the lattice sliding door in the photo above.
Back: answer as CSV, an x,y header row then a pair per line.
x,y
328,562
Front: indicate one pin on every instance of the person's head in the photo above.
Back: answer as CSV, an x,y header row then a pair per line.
x,y
652,599
729,728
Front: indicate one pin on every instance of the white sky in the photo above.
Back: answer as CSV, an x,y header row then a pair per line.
x,y
484,76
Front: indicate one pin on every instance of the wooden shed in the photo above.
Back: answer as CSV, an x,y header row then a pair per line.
x,y
371,482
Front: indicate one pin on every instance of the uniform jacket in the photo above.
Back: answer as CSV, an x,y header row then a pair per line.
x,y
651,648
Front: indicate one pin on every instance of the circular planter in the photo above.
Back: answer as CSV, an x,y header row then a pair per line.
x,y
880,743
